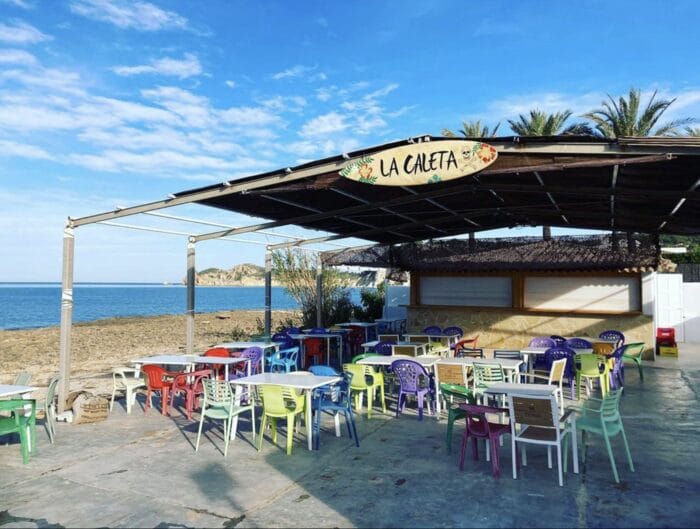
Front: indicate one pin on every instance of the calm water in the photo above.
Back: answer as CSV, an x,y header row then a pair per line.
x,y
28,305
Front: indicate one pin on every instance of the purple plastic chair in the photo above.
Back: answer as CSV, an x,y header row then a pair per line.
x,y
478,427
562,351
542,341
617,373
255,355
433,329
613,335
384,348
558,340
318,330
408,373
578,343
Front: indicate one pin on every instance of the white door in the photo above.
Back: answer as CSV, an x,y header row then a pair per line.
x,y
669,303
691,312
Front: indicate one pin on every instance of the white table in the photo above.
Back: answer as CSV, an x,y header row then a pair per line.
x,y
446,340
328,337
306,383
365,325
507,388
392,324
423,347
534,351
239,346
24,392
189,361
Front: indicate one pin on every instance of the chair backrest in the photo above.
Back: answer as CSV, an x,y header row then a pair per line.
x,y
452,374
469,351
290,355
255,355
634,349
558,340
153,376
589,364
556,372
388,338
292,330
192,380
318,330
384,348
324,371
314,346
279,400
610,408
486,373
408,373
542,341
283,339
578,343
432,329
612,334
451,331
51,391
477,423
507,353
218,351
558,352
361,356
421,339
216,392
358,371
22,378
534,410
404,350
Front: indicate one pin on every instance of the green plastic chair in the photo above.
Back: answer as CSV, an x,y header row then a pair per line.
x,y
219,403
602,417
359,357
455,394
485,375
366,378
19,422
591,366
280,401
633,351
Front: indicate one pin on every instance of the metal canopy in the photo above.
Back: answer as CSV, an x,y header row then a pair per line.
x,y
642,184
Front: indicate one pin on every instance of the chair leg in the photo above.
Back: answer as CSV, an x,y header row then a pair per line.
x,y
627,448
612,458
199,431
463,449
370,401
450,428
291,419
263,423
559,466
381,394
111,402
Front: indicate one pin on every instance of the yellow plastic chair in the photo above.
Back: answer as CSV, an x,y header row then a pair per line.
x,y
280,401
591,366
366,378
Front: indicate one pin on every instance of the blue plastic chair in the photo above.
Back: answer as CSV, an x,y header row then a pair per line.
x,y
433,329
318,330
613,335
555,353
334,402
285,359
578,343
384,348
541,341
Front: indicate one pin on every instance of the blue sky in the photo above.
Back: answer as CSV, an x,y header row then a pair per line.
x,y
114,102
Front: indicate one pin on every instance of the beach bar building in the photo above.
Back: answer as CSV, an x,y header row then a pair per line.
x,y
396,196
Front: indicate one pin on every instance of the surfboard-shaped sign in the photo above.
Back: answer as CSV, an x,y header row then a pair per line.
x,y
421,163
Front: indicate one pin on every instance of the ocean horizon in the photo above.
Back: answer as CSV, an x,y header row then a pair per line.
x,y
27,305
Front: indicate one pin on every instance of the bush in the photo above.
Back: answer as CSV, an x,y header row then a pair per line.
x,y
372,304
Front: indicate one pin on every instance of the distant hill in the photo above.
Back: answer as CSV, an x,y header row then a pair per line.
x,y
250,275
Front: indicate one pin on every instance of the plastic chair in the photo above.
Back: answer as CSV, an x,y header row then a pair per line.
x,y
433,330
285,359
557,353
454,390
335,401
616,367
366,378
613,335
221,352
157,380
485,375
280,401
190,385
558,340
602,417
633,351
535,419
254,356
511,354
591,366
384,348
355,338
21,420
314,348
318,330
451,331
413,379
121,381
49,407
220,403
479,427
578,343
22,378
542,341
467,347
292,330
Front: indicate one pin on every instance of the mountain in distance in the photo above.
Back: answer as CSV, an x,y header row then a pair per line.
x,y
251,275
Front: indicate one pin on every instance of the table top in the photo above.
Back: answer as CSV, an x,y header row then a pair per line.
x,y
356,324
528,389
375,342
297,381
435,336
7,390
245,345
386,360
218,359
506,363
388,320
541,350
595,340
308,335
182,360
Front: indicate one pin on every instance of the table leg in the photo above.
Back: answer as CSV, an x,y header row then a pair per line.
x,y
436,380
309,428
328,351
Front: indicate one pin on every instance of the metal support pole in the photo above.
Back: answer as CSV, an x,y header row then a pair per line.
x,y
319,291
546,233
66,314
190,295
472,241
268,291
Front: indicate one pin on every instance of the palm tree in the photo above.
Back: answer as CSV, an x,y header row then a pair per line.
x,y
692,131
473,129
623,118
539,123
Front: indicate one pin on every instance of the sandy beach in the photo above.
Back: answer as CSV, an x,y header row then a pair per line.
x,y
100,345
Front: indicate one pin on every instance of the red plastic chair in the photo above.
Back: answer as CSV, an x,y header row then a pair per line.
x,y
189,384
314,348
221,352
467,343
158,380
356,337
478,427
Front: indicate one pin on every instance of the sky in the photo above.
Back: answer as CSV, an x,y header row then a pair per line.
x,y
107,103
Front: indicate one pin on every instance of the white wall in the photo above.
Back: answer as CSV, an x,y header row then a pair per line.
x,y
691,312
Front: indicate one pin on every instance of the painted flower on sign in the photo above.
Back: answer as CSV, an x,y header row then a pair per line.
x,y
486,152
365,170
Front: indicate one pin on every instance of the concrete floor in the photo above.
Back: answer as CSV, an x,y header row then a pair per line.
x,y
142,471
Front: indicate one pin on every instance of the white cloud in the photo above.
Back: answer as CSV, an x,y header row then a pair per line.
x,y
182,68
248,116
285,103
49,78
158,162
194,110
129,14
294,71
21,33
15,56
23,150
323,125
231,84
19,3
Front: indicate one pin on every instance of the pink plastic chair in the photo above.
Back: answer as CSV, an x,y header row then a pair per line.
x,y
189,384
478,427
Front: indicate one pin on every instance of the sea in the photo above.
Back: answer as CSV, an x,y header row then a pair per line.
x,y
33,305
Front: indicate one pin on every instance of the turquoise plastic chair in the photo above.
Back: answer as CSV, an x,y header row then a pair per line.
x,y
20,422
602,417
633,351
285,359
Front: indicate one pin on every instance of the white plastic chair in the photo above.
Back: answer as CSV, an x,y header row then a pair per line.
x,y
121,380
